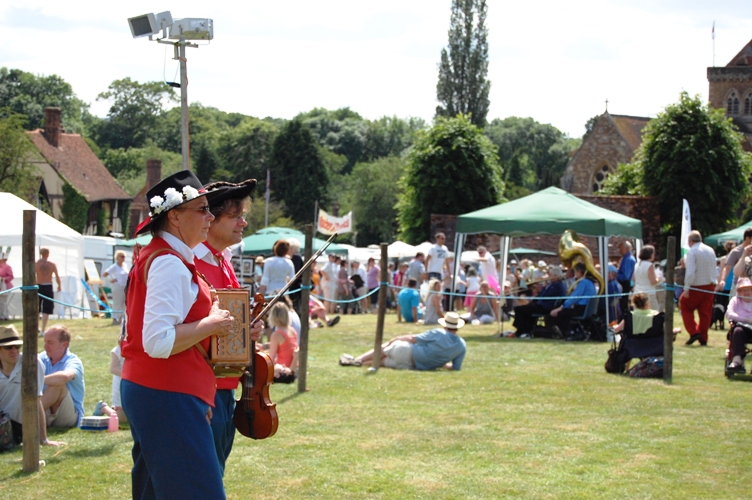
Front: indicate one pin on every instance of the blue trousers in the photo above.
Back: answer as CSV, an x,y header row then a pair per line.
x,y
173,449
221,424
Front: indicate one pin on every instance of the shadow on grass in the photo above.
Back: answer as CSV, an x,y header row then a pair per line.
x,y
288,398
100,451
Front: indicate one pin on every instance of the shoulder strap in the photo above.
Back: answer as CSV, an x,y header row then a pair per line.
x,y
156,253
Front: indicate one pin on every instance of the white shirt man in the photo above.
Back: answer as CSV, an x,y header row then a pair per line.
x,y
487,263
438,258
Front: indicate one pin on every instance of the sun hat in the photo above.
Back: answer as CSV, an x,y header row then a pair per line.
x,y
743,283
259,259
171,192
230,190
542,263
9,336
452,321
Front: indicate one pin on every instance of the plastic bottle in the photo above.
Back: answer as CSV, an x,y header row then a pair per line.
x,y
114,422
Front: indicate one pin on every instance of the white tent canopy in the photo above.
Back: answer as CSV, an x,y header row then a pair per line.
x,y
66,251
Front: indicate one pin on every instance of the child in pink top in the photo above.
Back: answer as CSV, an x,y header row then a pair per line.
x,y
283,344
739,313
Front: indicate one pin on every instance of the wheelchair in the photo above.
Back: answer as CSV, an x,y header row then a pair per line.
x,y
729,356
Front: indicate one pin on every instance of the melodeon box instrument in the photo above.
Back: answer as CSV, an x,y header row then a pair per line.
x,y
231,355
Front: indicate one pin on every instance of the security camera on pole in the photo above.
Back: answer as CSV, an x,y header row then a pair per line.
x,y
184,31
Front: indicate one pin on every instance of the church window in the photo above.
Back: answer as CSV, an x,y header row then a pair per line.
x,y
746,105
600,175
732,104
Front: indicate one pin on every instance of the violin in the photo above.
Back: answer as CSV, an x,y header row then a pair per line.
x,y
255,415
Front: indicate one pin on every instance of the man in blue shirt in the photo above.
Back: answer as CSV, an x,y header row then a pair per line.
x,y
408,301
624,275
577,302
63,396
437,348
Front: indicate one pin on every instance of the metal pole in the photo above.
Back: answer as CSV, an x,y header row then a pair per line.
x,y
304,296
376,363
29,389
668,323
184,131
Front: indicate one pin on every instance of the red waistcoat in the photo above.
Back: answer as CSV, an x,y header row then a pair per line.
x,y
216,277
186,372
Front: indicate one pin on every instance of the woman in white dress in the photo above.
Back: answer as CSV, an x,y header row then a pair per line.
x,y
645,277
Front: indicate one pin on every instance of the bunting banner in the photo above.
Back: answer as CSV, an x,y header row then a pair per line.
x,y
328,224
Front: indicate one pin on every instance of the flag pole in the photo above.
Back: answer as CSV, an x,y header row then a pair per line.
x,y
266,195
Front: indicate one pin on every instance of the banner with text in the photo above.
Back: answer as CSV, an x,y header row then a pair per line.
x,y
328,224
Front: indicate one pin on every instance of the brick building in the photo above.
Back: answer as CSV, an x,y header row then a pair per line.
x,y
731,90
63,158
613,140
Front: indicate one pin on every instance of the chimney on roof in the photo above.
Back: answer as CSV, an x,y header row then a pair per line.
x,y
52,128
153,173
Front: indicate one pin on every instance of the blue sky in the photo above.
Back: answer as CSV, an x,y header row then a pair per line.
x,y
554,61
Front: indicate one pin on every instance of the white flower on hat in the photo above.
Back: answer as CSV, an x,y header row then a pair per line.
x,y
172,198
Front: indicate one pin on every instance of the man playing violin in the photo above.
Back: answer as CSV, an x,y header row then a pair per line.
x,y
213,260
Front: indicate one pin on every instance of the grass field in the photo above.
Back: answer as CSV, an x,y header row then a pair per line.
x,y
523,419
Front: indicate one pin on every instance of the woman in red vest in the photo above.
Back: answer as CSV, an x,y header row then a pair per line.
x,y
168,388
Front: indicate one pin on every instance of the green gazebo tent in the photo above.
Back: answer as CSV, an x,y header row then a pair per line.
x,y
262,241
736,235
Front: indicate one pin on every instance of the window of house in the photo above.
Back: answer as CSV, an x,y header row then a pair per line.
x,y
732,104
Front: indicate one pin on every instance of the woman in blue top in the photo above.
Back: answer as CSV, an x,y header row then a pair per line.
x,y
577,302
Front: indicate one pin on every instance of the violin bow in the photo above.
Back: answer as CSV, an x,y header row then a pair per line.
x,y
299,274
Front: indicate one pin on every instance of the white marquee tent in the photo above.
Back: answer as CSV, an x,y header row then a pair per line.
x,y
66,251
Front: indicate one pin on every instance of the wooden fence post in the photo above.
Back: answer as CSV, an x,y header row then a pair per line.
x,y
304,308
668,324
383,288
29,389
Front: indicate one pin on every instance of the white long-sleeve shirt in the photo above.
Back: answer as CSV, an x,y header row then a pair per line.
x,y
170,294
700,264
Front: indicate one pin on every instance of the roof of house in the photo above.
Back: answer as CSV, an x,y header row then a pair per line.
x,y
79,166
743,58
630,128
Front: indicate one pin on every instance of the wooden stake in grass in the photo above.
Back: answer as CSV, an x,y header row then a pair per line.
x,y
382,308
304,322
668,324
29,389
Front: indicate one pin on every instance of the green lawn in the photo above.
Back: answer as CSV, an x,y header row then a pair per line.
x,y
523,419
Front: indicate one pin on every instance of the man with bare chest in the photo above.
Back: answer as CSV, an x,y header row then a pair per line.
x,y
45,269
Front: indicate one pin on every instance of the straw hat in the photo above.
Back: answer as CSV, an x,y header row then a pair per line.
x,y
452,321
9,336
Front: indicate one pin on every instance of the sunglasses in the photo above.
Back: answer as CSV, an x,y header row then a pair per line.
x,y
11,347
203,209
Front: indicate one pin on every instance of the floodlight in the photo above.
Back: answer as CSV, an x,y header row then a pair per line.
x,y
164,19
145,25
192,29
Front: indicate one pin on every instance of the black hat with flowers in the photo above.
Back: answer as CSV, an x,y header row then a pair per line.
x,y
171,192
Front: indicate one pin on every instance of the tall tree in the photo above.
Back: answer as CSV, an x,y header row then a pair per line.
x,y
451,169
28,94
689,151
534,155
134,113
462,86
16,172
298,176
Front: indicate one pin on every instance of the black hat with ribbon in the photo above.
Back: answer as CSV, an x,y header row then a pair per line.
x,y
231,191
171,192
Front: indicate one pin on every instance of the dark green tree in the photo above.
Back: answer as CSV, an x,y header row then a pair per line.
x,y
342,131
390,136
28,94
451,169
134,114
16,171
534,155
689,151
244,151
463,87
298,176
374,191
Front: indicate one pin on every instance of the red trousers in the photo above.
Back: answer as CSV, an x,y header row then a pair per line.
x,y
700,300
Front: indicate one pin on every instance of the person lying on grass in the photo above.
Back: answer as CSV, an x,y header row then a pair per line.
x,y
440,347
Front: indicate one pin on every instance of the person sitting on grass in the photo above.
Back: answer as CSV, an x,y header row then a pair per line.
x,y
739,314
434,310
408,302
317,310
116,369
484,308
283,344
437,348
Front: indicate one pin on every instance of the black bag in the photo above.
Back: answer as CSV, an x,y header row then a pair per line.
x,y
617,360
357,280
6,432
